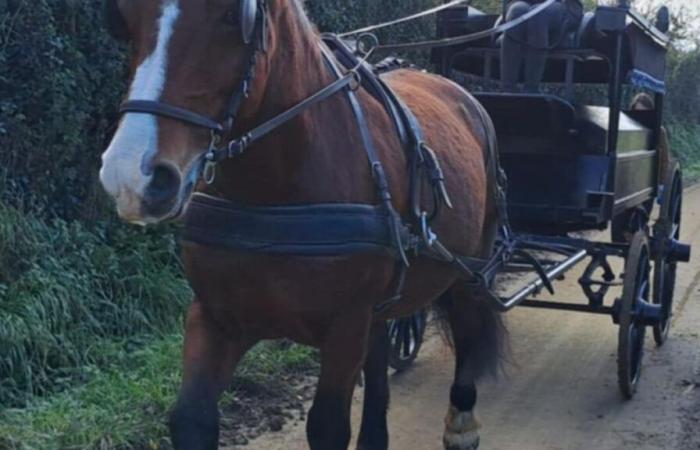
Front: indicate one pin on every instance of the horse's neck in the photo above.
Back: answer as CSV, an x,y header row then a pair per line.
x,y
313,157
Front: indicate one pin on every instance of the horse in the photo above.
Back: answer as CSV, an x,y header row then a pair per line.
x,y
193,56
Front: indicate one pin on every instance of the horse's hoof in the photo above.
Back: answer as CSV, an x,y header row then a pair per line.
x,y
461,430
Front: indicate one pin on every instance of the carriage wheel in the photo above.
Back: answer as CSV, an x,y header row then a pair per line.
x,y
667,227
636,290
405,340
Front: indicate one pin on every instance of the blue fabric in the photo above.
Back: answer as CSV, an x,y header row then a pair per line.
x,y
306,230
645,81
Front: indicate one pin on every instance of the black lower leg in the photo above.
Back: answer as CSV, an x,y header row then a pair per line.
x,y
374,434
194,423
463,396
328,427
342,356
209,359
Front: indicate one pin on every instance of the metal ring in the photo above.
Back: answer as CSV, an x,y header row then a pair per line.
x,y
356,82
209,173
366,43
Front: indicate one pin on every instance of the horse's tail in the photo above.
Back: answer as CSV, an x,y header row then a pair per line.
x,y
481,327
482,330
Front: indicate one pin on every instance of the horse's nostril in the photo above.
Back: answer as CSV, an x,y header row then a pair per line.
x,y
164,185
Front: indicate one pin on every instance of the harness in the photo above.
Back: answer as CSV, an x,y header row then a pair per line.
x,y
328,229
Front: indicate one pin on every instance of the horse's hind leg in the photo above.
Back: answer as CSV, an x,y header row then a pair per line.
x,y
342,356
477,333
209,359
373,431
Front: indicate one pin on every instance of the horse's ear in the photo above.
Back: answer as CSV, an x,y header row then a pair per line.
x,y
114,21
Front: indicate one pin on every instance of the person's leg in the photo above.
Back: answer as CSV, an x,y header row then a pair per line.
x,y
543,31
512,48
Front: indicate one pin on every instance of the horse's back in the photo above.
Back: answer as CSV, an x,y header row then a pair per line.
x,y
456,130
440,105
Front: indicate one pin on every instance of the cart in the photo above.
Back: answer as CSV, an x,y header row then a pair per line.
x,y
574,167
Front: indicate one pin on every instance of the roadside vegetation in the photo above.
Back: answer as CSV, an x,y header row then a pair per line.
x,y
124,403
91,310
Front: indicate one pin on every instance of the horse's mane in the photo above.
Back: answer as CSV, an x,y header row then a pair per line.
x,y
303,16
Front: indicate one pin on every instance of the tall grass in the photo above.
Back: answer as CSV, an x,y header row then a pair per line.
x,y
64,289
125,404
685,144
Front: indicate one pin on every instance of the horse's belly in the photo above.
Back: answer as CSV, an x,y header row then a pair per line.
x,y
283,296
298,298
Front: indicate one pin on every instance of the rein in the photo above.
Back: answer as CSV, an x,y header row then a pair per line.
x,y
352,79
458,40
402,237
391,23
237,146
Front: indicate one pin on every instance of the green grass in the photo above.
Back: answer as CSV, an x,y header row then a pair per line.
x,y
125,405
685,144
66,289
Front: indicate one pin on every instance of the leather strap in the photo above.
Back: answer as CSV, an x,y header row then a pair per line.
x,y
171,112
162,109
376,166
239,145
459,40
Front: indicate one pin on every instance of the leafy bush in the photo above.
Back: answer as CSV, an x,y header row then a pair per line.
x,y
685,144
64,288
61,77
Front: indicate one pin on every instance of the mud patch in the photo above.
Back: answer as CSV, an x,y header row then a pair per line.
x,y
261,406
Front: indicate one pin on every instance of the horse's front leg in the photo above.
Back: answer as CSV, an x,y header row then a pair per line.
x,y
373,431
342,355
209,359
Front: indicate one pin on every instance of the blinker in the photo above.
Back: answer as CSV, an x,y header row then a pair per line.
x,y
248,16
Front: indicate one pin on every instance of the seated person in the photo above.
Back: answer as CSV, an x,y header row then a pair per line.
x,y
645,102
530,41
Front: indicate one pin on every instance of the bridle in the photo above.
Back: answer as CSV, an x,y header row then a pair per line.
x,y
253,25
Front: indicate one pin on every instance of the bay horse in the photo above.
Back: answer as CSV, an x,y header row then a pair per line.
x,y
193,56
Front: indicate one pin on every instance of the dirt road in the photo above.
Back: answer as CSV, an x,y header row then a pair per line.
x,y
561,392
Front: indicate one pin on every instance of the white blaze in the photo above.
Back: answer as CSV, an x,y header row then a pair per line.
x,y
136,139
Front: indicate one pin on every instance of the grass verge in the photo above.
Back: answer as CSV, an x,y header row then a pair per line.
x,y
125,405
65,289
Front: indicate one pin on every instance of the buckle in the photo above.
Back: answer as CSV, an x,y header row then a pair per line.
x,y
209,172
428,236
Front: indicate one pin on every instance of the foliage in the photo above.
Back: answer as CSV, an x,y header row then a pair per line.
x,y
64,288
61,78
125,404
684,89
685,142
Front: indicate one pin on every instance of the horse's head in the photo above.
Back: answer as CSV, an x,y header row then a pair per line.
x,y
187,56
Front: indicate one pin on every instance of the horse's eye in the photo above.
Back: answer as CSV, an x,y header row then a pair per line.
x,y
231,17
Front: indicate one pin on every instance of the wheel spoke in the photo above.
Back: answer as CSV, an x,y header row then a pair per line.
x,y
398,340
407,339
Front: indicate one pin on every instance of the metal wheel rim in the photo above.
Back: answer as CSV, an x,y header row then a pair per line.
x,y
665,272
405,339
632,331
